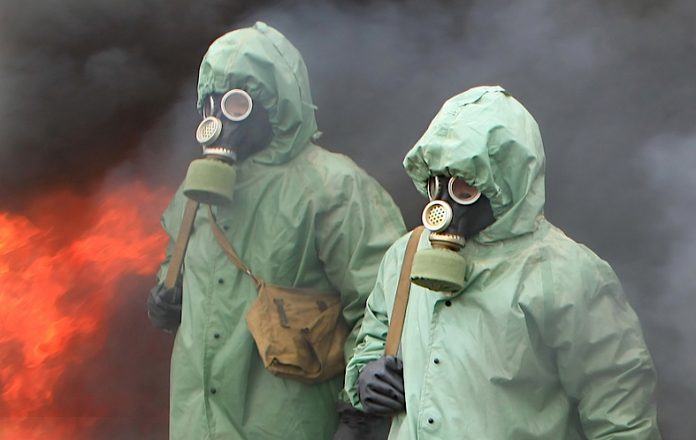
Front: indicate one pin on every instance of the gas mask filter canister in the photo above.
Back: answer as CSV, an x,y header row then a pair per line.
x,y
441,268
211,179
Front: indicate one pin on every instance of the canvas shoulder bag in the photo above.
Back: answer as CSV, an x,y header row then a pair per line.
x,y
299,332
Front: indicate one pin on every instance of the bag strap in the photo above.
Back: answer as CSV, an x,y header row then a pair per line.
x,y
403,289
229,250
182,239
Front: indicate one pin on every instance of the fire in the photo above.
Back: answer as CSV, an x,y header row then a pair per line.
x,y
59,280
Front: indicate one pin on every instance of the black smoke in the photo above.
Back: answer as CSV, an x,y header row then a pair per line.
x,y
96,88
81,81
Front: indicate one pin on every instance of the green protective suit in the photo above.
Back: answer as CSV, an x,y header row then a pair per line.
x,y
301,217
540,343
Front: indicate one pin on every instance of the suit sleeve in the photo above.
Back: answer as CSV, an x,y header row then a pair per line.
x,y
373,333
352,238
171,221
603,362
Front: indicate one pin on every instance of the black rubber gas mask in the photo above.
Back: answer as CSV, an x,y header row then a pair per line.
x,y
233,128
456,212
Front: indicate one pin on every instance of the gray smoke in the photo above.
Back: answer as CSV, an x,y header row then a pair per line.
x,y
610,83
670,320
80,81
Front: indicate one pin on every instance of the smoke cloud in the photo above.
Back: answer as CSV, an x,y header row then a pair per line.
x,y
611,85
669,320
89,87
81,81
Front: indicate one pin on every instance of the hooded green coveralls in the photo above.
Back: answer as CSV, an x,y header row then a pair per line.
x,y
540,343
301,217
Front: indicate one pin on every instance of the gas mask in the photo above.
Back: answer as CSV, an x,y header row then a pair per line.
x,y
233,128
456,212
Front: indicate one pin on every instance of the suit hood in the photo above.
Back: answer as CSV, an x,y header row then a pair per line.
x,y
489,139
260,60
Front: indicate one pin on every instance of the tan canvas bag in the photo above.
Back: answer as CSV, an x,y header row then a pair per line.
x,y
299,333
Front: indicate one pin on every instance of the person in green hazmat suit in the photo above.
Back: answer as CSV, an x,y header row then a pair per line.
x,y
297,216
512,330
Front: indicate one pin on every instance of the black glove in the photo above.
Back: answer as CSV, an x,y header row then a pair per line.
x,y
164,307
381,386
356,425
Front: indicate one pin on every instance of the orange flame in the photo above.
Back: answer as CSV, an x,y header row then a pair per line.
x,y
56,287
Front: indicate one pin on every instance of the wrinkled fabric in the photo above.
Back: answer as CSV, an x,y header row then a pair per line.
x,y
301,217
541,342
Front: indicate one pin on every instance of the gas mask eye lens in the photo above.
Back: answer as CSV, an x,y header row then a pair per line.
x,y
461,192
236,105
434,187
208,107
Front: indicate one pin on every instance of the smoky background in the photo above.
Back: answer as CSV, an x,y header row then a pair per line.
x,y
95,93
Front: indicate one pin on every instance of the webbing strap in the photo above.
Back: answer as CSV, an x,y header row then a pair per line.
x,y
229,250
181,242
403,289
